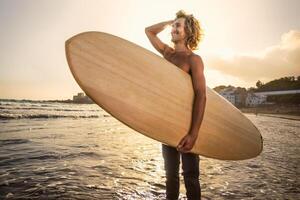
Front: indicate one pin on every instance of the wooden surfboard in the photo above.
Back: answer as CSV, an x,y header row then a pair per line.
x,y
155,98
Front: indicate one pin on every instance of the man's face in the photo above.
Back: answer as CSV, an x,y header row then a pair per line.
x,y
178,32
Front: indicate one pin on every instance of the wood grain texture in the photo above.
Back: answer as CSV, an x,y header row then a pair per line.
x,y
154,97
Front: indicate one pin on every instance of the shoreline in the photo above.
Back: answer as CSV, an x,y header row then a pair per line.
x,y
282,116
46,101
270,110
274,110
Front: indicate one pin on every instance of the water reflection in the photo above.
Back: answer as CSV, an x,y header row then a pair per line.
x,y
100,158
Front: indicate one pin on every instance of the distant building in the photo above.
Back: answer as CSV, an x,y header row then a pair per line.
x,y
81,98
254,99
229,94
237,96
240,97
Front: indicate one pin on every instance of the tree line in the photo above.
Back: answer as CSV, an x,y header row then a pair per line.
x,y
284,83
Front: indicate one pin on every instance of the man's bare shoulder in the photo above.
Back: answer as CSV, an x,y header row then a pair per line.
x,y
196,60
195,57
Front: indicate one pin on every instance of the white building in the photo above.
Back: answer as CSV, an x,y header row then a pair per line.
x,y
254,99
228,93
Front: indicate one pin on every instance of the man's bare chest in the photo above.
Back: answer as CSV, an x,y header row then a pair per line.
x,y
180,61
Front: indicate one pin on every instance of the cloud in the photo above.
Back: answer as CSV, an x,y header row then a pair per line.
x,y
273,62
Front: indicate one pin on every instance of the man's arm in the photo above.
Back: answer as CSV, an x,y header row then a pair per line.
x,y
199,86
152,32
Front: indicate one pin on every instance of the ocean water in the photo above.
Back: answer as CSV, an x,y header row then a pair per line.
x,y
71,151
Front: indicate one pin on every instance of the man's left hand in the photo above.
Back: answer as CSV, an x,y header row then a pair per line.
x,y
187,142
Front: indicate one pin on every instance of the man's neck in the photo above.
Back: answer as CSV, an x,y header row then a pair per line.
x,y
180,47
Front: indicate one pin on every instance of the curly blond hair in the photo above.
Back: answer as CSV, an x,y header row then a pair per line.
x,y
192,29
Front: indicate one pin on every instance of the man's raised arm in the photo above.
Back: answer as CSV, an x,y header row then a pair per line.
x,y
152,32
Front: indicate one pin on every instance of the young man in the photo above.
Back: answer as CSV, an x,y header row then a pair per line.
x,y
186,35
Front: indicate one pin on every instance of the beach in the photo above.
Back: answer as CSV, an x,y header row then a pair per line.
x,y
289,110
78,151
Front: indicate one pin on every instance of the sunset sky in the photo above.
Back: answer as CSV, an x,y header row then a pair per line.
x,y
244,41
